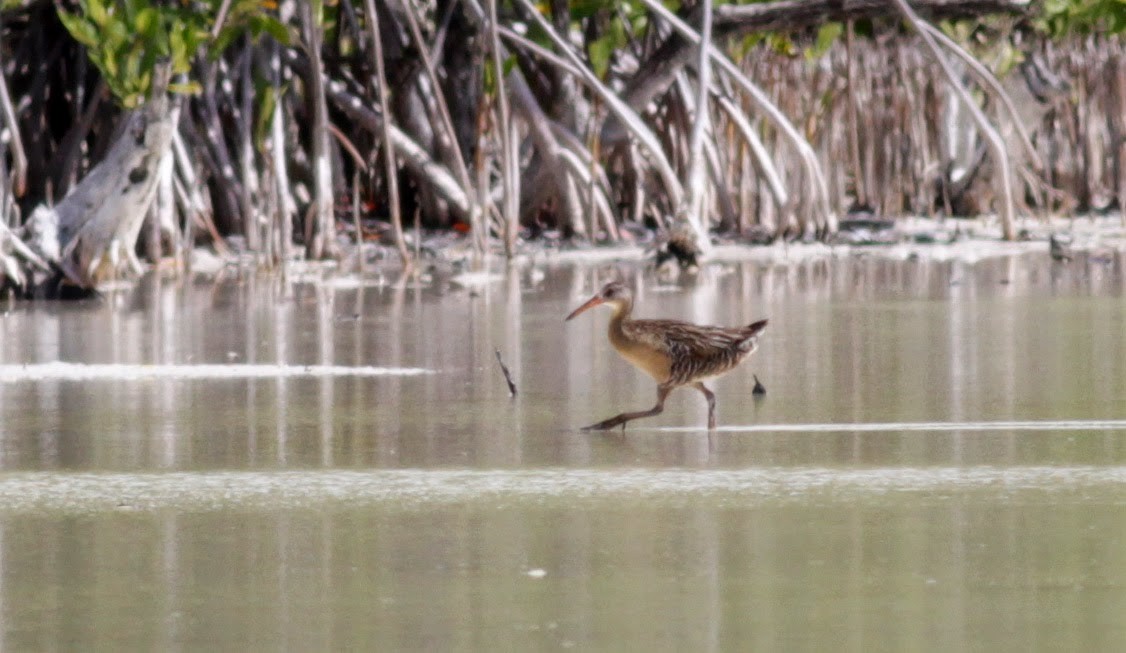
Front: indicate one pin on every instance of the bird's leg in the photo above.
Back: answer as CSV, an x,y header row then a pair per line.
x,y
699,385
605,425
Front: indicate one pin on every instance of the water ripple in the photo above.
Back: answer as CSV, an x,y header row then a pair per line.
x,y
60,371
872,427
417,488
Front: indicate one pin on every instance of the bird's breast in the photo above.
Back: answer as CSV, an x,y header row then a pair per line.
x,y
652,361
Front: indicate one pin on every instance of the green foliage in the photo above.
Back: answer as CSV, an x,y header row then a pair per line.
x,y
1083,16
1000,54
602,50
267,96
781,44
827,35
581,9
630,20
490,73
125,38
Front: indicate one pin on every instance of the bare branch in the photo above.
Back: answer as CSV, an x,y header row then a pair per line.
x,y
390,167
990,83
758,150
808,157
19,156
996,143
320,234
414,156
732,20
509,173
447,132
694,205
619,108
790,15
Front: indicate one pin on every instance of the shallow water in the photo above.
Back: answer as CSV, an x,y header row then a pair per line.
x,y
939,463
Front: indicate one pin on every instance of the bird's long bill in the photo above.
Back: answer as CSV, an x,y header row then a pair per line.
x,y
591,303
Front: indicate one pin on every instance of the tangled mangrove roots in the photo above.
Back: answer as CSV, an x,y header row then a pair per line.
x,y
306,125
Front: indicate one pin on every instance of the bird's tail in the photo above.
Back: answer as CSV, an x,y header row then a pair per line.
x,y
751,333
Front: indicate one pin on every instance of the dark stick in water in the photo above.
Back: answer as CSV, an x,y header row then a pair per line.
x,y
507,375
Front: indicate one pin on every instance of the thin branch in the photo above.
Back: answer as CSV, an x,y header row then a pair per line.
x,y
390,167
758,150
244,117
808,157
544,136
616,106
791,15
348,146
504,368
21,249
321,241
413,155
996,143
19,156
989,81
285,207
511,208
696,172
447,124
220,18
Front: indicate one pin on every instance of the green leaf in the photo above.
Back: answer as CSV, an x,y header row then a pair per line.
x,y
116,36
133,64
618,33
638,23
266,95
146,22
133,8
781,44
80,29
226,36
264,24
96,11
600,53
490,79
581,9
186,88
181,58
124,38
745,45
144,82
826,36
109,65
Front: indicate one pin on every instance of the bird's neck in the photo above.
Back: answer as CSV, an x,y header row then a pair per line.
x,y
619,314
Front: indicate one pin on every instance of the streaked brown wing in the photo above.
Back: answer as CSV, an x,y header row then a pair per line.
x,y
695,351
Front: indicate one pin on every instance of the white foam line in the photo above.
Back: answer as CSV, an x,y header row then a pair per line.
x,y
423,488
59,371
866,427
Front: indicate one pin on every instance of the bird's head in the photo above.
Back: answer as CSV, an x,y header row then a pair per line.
x,y
615,294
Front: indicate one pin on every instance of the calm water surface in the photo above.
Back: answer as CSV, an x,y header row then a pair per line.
x,y
939,464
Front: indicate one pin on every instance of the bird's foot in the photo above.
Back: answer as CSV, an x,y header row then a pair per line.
x,y
607,424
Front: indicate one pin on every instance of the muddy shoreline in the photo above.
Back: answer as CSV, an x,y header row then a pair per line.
x,y
1098,239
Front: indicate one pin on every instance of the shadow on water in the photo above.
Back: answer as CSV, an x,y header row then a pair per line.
x,y
320,463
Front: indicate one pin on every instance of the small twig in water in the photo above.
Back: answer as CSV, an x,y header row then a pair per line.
x,y
507,375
